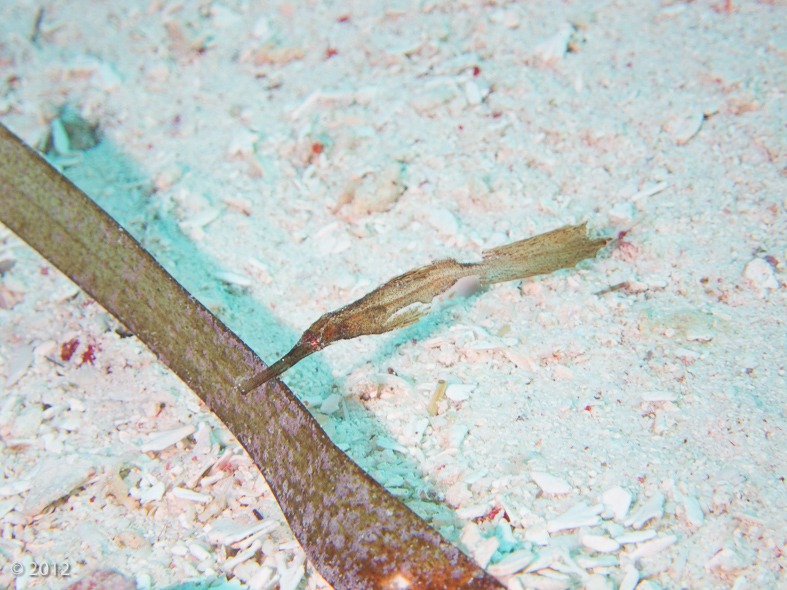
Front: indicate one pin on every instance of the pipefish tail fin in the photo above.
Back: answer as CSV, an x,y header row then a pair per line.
x,y
542,254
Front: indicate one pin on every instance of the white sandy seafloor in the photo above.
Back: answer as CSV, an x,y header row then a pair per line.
x,y
282,159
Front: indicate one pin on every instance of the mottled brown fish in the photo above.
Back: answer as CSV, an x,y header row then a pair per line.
x,y
393,305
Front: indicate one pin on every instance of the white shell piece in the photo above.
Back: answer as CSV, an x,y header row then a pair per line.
x,y
456,435
60,140
260,580
15,487
693,510
17,365
650,191
629,581
653,547
555,48
444,221
242,143
636,537
653,508
472,93
689,127
622,212
106,78
578,516
598,582
199,552
600,543
153,493
191,496
7,506
748,517
203,218
544,559
484,551
234,562
549,483
227,532
331,404
54,478
167,438
617,502
512,563
459,392
536,582
28,421
471,512
586,562
537,534
233,278
700,335
505,534
659,396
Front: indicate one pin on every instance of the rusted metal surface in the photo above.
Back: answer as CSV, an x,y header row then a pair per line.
x,y
355,533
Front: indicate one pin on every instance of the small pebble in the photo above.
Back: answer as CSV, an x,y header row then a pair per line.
x,y
444,221
760,274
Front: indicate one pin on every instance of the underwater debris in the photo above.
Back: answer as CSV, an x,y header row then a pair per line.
x,y
69,132
404,300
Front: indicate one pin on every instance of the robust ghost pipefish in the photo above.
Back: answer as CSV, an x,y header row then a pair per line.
x,y
394,305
